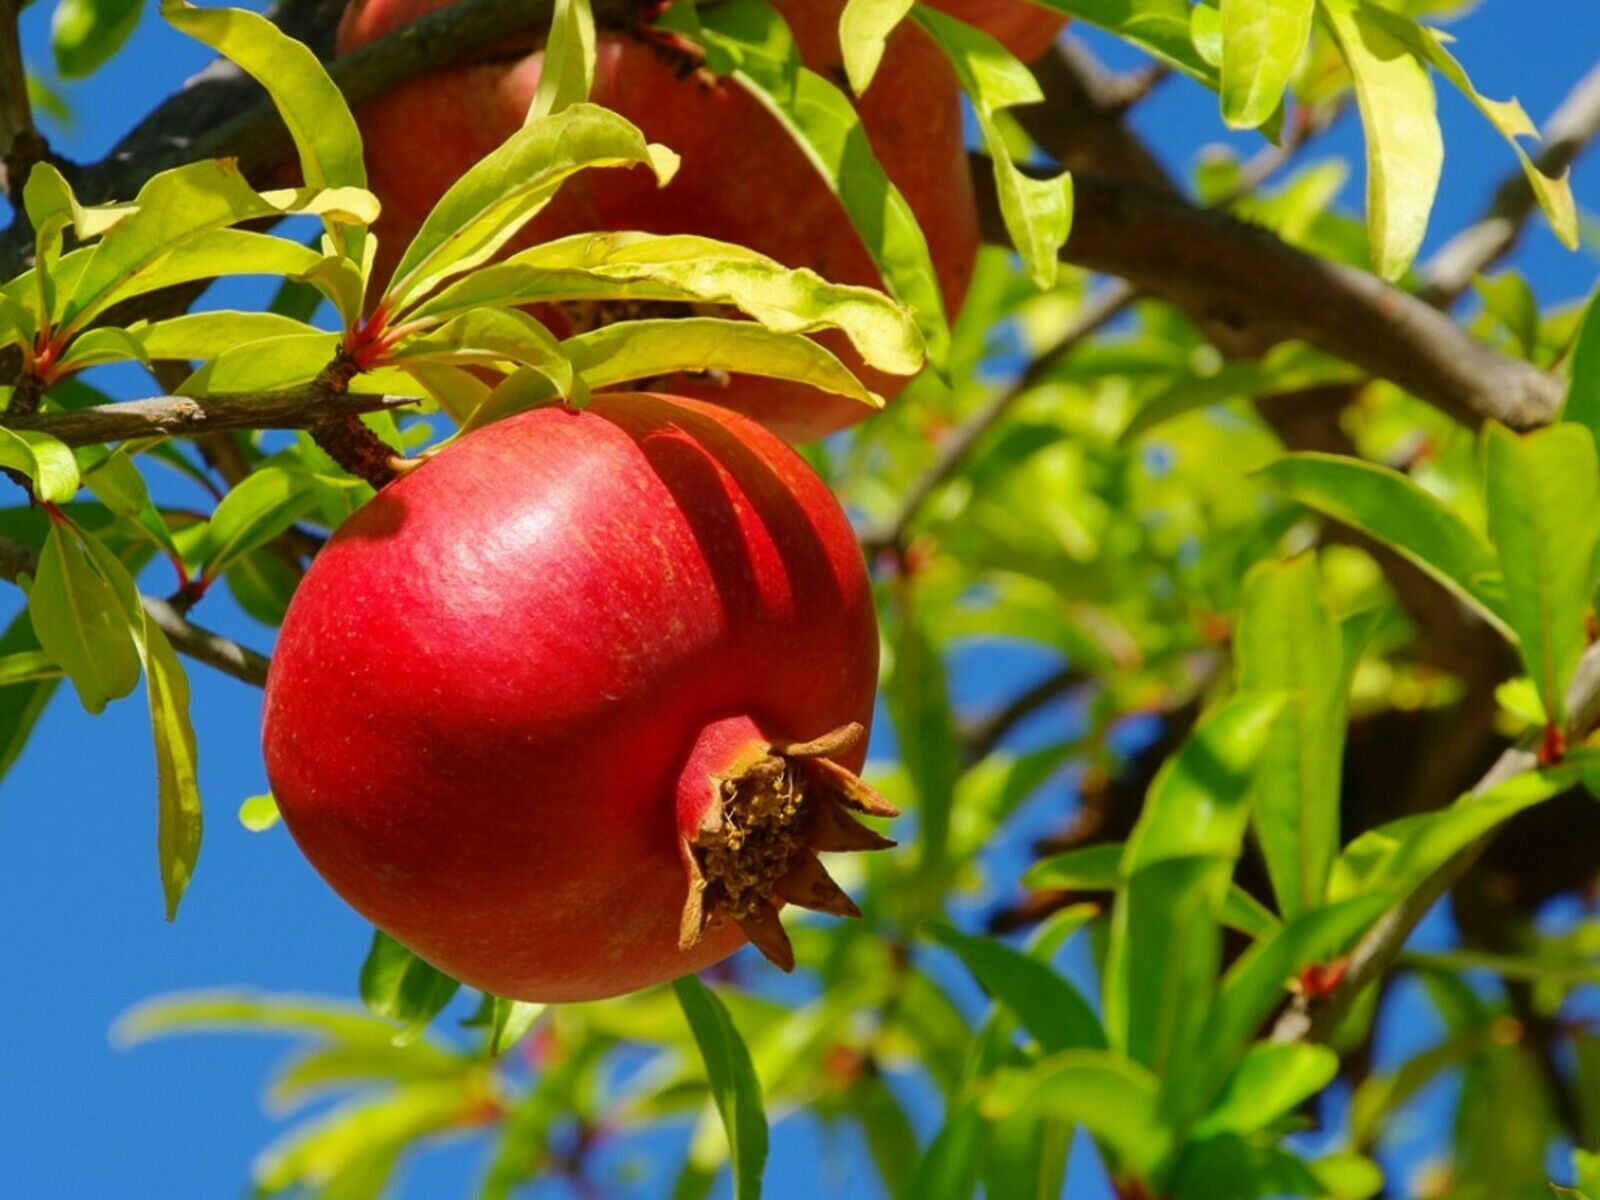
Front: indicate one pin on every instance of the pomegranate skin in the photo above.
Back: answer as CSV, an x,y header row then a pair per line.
x,y
742,178
503,688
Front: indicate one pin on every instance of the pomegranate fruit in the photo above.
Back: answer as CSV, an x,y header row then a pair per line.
x,y
569,709
742,178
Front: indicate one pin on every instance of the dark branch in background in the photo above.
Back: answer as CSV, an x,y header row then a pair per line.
x,y
1208,262
167,416
984,734
20,143
1317,1021
202,645
1565,136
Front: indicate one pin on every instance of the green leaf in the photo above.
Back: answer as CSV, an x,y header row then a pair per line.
x,y
1262,41
107,344
1391,508
266,503
488,336
734,1086
747,40
395,983
179,825
1158,26
43,459
1270,1082
949,1170
1288,641
1405,150
1255,985
633,350
1097,869
1507,116
1583,386
259,813
1117,1101
1199,800
1396,857
177,209
1543,494
1049,1007
27,666
85,33
567,74
1161,965
311,105
249,1012
864,29
78,622
21,704
506,189
1037,212
641,266
510,1021
205,335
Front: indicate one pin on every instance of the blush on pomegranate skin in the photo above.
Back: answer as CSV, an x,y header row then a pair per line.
x,y
569,708
742,177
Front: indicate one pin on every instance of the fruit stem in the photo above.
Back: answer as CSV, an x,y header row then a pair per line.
x,y
346,439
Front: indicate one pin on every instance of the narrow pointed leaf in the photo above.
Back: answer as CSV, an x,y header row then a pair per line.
x,y
634,350
1288,641
749,41
1544,519
1405,150
734,1087
1391,508
864,29
1262,40
311,105
1583,387
1037,212
569,55
1049,1007
79,624
395,983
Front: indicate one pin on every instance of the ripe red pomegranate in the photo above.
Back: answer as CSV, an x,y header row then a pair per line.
x,y
742,179
569,708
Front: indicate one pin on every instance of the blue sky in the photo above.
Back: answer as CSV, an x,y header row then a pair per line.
x,y
84,938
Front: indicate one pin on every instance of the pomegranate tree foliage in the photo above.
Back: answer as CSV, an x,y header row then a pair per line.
x,y
1241,887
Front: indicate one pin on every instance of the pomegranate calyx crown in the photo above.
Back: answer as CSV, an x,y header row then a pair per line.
x,y
757,843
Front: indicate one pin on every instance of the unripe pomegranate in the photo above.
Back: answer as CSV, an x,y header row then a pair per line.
x,y
569,709
742,178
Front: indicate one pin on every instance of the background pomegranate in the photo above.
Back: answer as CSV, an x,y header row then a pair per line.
x,y
512,690
742,179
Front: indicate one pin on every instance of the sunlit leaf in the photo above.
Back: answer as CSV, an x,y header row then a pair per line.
x,y
1261,42
567,73
734,1087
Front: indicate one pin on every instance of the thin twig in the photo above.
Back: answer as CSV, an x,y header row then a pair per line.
x,y
17,558
171,416
953,453
1317,1020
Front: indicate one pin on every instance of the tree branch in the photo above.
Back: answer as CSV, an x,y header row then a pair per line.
x,y
1317,1020
202,645
1208,262
20,143
171,416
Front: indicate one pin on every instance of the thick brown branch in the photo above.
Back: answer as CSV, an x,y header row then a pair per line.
x,y
1209,262
20,143
168,416
1317,1021
202,645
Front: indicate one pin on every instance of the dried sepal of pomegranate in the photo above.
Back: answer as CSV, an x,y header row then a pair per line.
x,y
757,843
